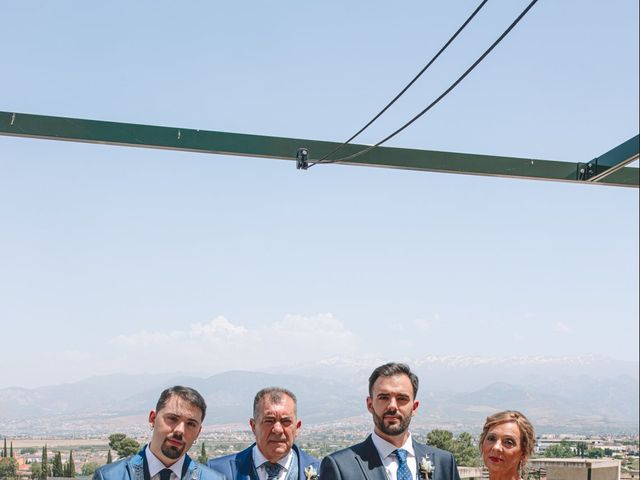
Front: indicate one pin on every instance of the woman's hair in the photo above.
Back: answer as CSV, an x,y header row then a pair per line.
x,y
527,434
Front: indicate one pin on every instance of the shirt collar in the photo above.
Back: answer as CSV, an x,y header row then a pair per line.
x,y
385,448
259,458
155,465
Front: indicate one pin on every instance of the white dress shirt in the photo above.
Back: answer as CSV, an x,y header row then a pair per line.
x,y
259,459
156,466
389,459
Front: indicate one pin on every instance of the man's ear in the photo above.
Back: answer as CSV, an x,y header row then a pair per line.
x,y
152,418
414,409
252,423
370,404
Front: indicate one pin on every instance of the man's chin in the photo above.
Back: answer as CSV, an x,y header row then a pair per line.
x,y
172,452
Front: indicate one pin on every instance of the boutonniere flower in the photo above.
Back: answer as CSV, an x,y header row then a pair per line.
x,y
426,468
311,473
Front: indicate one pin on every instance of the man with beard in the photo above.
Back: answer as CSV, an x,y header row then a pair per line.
x,y
175,423
390,453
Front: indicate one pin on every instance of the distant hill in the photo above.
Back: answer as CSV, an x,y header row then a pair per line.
x,y
556,395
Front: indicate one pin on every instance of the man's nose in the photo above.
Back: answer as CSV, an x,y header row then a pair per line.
x,y
277,427
179,428
392,403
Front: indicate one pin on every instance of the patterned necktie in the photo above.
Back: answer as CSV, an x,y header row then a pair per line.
x,y
165,474
273,470
403,469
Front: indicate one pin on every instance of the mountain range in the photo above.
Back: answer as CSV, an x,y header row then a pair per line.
x,y
577,394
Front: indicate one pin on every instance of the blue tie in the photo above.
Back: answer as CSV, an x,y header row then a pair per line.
x,y
273,470
403,469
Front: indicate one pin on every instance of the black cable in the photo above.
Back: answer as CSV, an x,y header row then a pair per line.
x,y
455,84
444,47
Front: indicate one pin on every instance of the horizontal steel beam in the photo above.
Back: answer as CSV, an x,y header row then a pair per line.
x,y
222,143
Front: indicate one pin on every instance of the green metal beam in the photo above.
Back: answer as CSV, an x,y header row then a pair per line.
x,y
222,143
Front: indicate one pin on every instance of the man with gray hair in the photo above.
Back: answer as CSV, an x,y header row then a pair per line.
x,y
274,455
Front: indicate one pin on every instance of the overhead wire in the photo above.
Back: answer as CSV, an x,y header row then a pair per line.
x,y
424,69
442,95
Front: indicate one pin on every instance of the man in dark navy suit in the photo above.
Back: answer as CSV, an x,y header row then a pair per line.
x,y
176,423
274,455
390,453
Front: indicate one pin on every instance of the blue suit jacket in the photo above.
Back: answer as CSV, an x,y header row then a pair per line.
x,y
239,466
362,462
132,468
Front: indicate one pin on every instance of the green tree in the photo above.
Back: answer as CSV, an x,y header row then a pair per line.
x,y
109,458
608,452
56,465
28,450
202,458
123,445
36,469
44,471
581,449
4,449
11,450
595,453
8,467
89,469
463,447
465,451
70,466
559,450
442,439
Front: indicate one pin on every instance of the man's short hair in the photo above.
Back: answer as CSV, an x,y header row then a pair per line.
x,y
187,394
389,370
275,396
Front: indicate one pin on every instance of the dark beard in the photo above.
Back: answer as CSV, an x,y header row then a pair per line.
x,y
170,451
393,430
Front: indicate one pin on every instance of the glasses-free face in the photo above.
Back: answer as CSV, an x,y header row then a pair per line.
x,y
392,405
175,427
502,450
275,427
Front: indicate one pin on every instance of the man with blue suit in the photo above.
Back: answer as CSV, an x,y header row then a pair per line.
x,y
273,456
176,423
390,453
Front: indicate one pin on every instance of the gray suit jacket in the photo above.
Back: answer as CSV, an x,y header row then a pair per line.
x,y
362,462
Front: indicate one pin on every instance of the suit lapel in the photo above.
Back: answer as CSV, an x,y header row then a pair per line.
x,y
136,467
369,461
243,467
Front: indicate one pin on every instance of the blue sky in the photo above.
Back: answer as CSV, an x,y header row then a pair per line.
x,y
120,259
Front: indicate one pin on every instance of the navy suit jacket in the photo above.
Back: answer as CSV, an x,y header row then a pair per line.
x,y
239,466
362,462
132,468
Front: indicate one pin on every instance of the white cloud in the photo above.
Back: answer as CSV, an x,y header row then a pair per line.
x,y
561,327
221,345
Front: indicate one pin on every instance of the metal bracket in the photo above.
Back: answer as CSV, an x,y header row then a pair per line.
x,y
302,158
587,170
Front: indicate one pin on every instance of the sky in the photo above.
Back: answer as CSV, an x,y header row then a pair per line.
x,y
116,259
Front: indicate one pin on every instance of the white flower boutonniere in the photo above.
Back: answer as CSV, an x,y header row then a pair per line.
x,y
311,473
426,468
